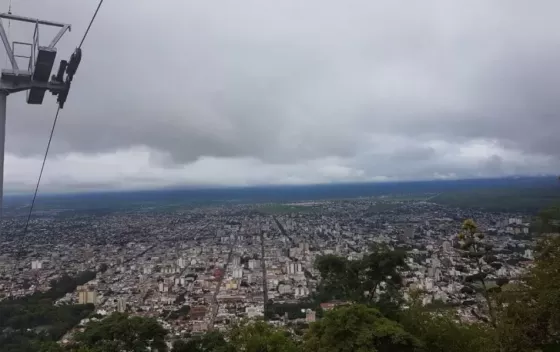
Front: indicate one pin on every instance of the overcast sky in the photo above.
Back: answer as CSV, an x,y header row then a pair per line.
x,y
190,92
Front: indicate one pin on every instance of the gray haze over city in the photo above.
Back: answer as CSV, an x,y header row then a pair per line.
x,y
241,93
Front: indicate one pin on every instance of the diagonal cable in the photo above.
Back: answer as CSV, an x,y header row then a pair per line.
x,y
90,23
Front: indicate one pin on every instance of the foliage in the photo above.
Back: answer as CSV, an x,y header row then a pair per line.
x,y
334,280
50,346
66,284
531,317
441,331
182,312
358,328
529,314
544,280
120,332
294,310
360,280
103,267
247,336
212,341
548,220
33,319
257,336
472,242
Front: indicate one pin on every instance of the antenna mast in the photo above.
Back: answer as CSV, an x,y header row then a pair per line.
x,y
35,78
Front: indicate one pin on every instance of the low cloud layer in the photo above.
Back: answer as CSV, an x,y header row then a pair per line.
x,y
201,93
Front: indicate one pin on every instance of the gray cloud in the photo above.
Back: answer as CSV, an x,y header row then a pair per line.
x,y
375,88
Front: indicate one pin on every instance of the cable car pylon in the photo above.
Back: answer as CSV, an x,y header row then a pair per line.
x,y
35,78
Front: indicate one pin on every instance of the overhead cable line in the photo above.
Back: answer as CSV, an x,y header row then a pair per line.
x,y
41,172
9,25
90,23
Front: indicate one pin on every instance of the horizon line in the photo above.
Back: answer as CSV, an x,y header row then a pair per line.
x,y
202,187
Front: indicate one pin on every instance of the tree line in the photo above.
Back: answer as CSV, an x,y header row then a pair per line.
x,y
28,322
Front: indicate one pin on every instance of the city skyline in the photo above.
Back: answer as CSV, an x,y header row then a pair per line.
x,y
202,268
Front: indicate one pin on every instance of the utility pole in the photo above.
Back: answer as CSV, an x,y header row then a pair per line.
x,y
35,78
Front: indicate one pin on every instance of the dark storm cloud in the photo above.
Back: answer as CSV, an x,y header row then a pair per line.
x,y
292,81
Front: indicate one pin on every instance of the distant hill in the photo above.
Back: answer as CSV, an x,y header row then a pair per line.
x,y
526,195
521,193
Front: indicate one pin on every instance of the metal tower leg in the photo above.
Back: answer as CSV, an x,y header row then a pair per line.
x,y
3,99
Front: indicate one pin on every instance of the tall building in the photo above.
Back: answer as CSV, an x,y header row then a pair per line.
x,y
310,316
293,268
446,246
87,295
179,281
235,261
304,246
301,291
121,305
237,273
284,289
254,263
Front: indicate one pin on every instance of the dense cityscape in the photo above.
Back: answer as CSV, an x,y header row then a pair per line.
x,y
205,268
294,176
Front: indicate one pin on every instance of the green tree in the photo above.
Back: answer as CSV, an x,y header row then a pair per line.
x,y
472,243
441,331
358,328
103,267
529,308
182,346
362,280
548,220
259,336
120,332
544,281
530,318
28,321
334,280
49,346
212,341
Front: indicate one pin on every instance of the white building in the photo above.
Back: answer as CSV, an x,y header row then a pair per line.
x,y
254,311
528,254
514,221
293,268
237,273
121,305
284,289
301,292
87,296
254,264
446,246
235,261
